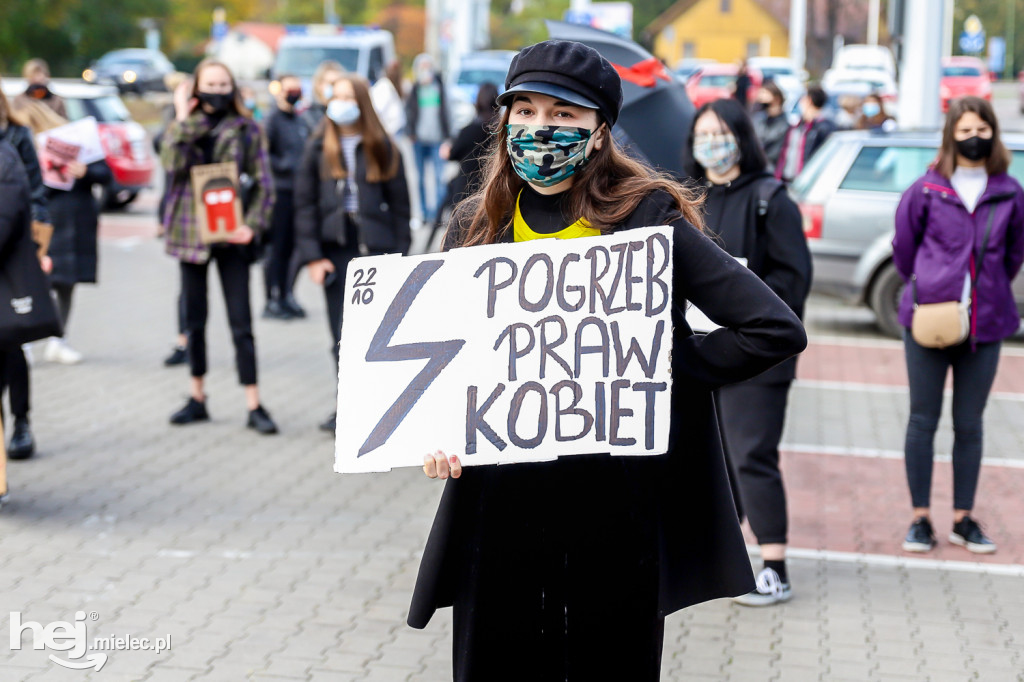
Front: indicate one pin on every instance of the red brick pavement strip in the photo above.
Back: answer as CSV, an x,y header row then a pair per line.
x,y
884,365
857,504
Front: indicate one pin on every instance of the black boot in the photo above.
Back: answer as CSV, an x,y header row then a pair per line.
x,y
275,310
292,306
179,356
194,411
331,424
22,444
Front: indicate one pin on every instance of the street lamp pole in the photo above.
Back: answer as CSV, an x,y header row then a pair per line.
x,y
1011,36
920,72
798,32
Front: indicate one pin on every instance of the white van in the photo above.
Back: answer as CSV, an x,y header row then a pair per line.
x,y
865,57
365,51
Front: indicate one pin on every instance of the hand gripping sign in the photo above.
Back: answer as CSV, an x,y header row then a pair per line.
x,y
508,352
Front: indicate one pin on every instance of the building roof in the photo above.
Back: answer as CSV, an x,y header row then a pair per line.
x,y
270,34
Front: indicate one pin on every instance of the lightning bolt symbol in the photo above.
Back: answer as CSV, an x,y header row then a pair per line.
x,y
438,354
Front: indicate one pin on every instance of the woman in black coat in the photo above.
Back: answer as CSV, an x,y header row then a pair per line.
x,y
351,197
73,247
566,569
469,148
754,218
14,368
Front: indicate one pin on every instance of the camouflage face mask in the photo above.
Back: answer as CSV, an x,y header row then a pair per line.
x,y
547,155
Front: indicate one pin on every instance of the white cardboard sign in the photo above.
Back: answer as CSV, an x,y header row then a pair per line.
x,y
84,132
507,352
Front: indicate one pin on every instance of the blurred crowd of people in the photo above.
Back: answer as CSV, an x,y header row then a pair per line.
x,y
327,181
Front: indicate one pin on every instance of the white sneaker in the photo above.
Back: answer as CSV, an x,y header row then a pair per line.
x,y
59,351
770,590
26,348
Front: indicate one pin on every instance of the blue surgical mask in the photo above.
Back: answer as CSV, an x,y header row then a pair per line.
x,y
250,104
343,112
716,153
547,155
871,109
328,92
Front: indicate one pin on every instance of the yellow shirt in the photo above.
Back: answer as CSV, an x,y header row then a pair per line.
x,y
523,233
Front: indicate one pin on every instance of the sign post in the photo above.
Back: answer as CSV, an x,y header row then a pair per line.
x,y
508,352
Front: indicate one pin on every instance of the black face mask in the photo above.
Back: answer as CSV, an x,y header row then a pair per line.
x,y
293,96
37,91
975,148
219,102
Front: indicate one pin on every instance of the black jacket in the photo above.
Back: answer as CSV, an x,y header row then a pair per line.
x,y
383,215
14,188
815,136
470,149
681,500
773,244
20,138
75,221
286,138
412,110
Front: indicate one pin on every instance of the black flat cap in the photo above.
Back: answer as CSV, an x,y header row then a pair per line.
x,y
569,71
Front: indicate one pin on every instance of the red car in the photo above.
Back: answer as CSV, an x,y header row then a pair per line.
x,y
124,141
716,81
963,76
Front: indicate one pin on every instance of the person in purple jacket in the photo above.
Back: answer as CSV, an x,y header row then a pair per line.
x,y
960,236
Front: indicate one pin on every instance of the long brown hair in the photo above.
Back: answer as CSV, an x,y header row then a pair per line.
x,y
6,115
236,102
379,150
606,192
997,162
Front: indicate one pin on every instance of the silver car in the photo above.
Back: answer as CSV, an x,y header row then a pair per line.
x,y
848,194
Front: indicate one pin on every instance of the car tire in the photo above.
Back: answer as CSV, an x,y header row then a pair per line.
x,y
884,299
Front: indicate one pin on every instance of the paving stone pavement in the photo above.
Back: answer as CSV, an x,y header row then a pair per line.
x,y
260,563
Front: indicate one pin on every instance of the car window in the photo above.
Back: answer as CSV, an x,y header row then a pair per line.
x,y
887,169
480,76
959,71
376,69
105,109
803,182
302,61
1017,165
717,80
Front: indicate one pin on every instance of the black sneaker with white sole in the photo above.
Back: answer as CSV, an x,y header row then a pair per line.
x,y
920,537
967,533
770,590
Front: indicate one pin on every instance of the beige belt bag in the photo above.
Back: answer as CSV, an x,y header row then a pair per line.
x,y
940,325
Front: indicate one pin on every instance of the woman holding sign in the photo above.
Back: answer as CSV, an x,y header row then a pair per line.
x,y
754,219
567,569
212,126
351,197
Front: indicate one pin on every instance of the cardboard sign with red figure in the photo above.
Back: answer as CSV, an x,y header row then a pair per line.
x,y
217,202
54,156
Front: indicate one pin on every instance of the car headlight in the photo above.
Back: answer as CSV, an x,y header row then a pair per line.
x,y
89,75
129,76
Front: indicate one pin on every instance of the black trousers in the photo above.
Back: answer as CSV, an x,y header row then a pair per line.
x,y
14,378
233,267
973,374
278,273
752,416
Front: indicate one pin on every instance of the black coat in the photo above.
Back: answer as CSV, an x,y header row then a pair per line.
x,y
470,149
286,139
679,504
20,138
773,244
383,213
75,221
14,188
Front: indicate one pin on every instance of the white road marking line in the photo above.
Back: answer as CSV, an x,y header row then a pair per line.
x,y
898,561
869,342
876,453
824,385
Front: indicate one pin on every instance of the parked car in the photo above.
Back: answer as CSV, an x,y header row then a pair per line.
x,y
687,68
855,80
124,140
963,76
130,70
716,81
366,51
848,194
783,71
865,58
471,71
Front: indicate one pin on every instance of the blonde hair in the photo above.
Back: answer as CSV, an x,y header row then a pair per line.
x,y
34,66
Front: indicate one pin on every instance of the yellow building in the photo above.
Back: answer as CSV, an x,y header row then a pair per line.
x,y
722,30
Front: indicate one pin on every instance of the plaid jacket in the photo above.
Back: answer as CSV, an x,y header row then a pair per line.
x,y
238,139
